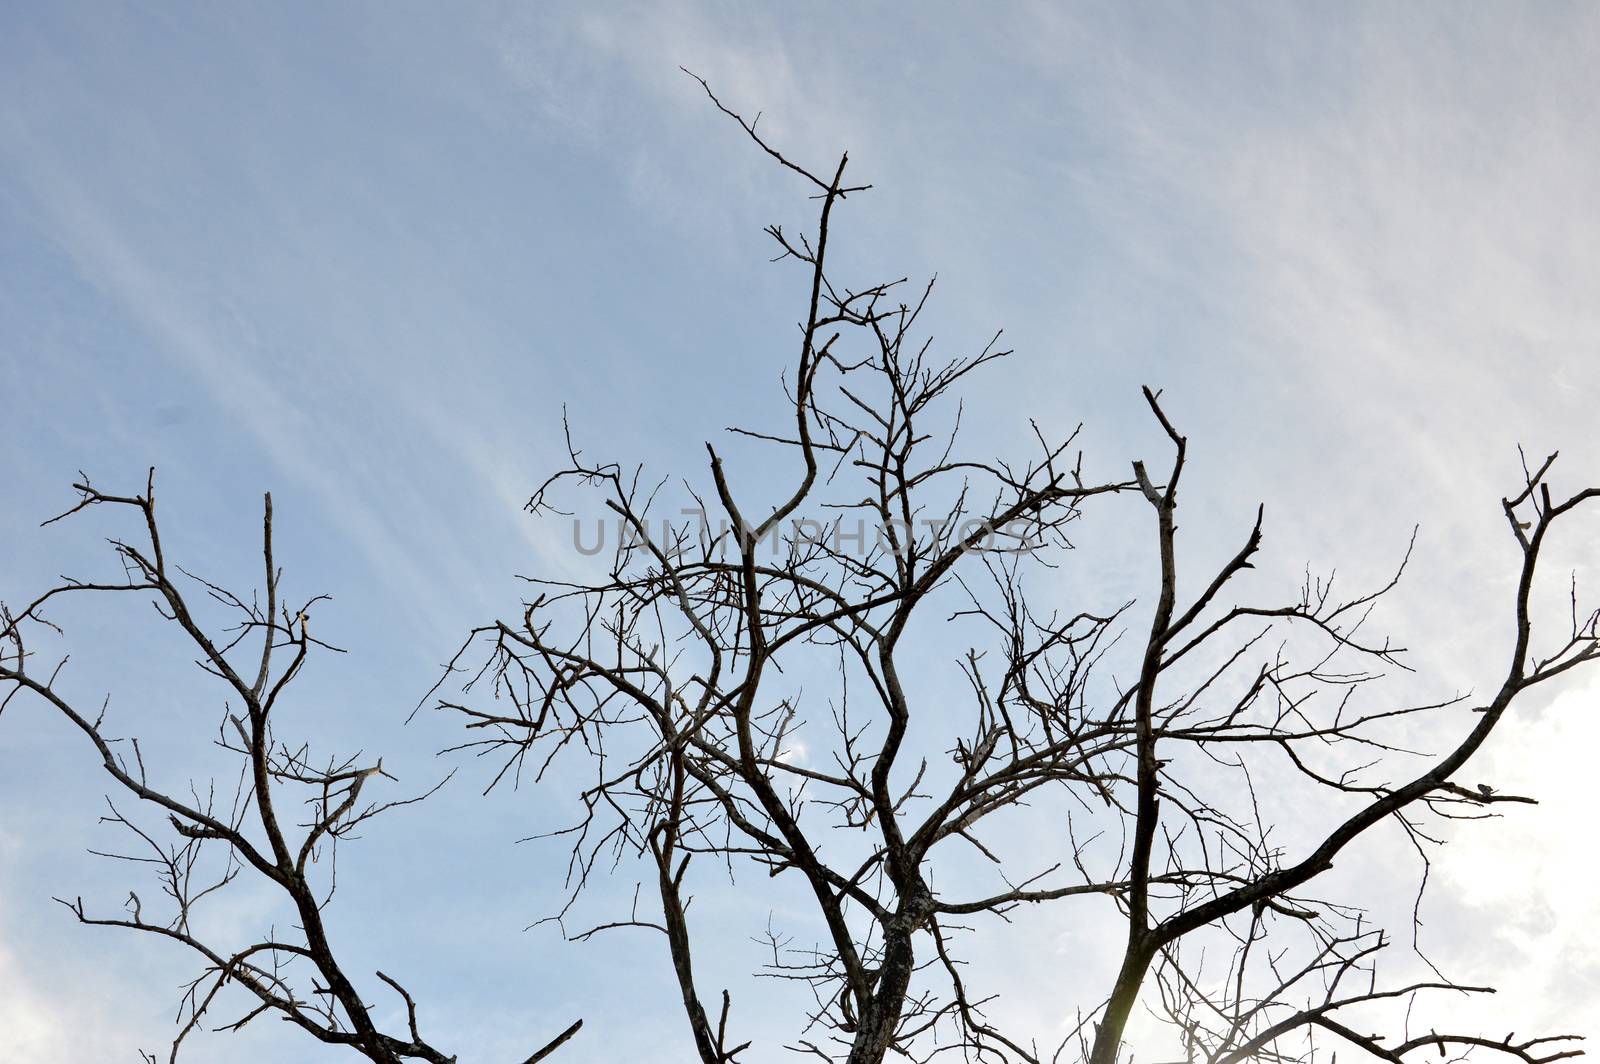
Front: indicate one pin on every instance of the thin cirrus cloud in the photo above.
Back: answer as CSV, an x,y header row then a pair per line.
x,y
367,266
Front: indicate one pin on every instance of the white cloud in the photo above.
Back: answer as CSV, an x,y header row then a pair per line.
x,y
1520,905
1401,253
36,1029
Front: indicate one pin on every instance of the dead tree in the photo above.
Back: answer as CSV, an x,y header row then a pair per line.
x,y
280,823
678,673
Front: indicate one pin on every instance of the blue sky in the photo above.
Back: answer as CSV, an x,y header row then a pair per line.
x,y
363,255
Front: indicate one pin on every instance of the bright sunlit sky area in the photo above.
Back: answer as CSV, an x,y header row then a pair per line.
x,y
364,255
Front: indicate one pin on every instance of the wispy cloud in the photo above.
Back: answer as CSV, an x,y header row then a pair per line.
x,y
1358,246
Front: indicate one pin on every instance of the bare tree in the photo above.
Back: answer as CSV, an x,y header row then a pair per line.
x,y
678,674
280,823
685,677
